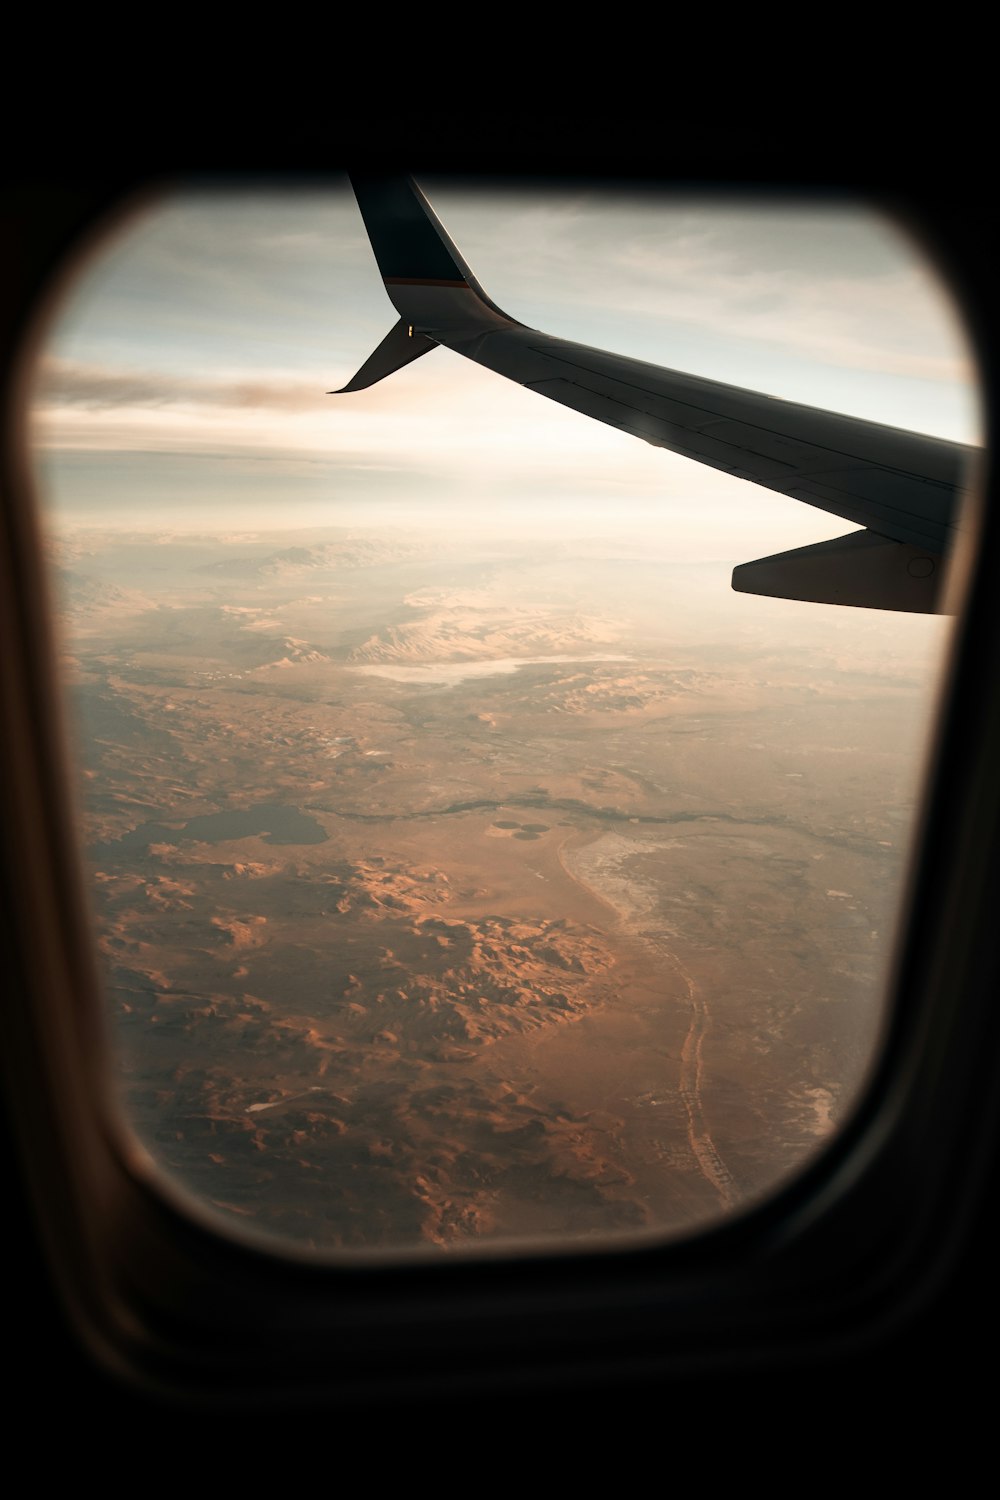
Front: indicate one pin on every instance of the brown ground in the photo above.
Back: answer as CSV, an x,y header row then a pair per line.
x,y
583,948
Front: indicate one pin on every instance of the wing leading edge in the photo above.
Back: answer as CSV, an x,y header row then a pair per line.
x,y
903,487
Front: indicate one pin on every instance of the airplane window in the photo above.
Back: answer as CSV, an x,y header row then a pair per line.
x,y
470,864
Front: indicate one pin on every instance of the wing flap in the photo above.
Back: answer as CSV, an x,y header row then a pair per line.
x,y
861,568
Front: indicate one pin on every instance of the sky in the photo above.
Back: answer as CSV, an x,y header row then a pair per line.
x,y
184,382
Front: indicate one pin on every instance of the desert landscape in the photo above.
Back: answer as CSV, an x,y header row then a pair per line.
x,y
454,888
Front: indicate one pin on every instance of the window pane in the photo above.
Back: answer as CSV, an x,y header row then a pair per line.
x,y
468,861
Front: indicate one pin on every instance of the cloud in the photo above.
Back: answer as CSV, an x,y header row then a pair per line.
x,y
837,284
63,383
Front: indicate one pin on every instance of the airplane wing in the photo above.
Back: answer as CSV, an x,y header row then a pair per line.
x,y
902,487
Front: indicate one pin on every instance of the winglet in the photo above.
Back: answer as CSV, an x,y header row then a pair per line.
x,y
401,346
413,249
429,284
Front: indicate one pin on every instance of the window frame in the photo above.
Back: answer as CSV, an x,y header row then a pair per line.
x,y
843,1262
